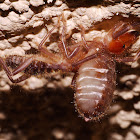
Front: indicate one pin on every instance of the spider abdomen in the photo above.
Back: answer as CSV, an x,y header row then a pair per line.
x,y
95,84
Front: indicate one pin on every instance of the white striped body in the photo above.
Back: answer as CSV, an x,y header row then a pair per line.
x,y
95,84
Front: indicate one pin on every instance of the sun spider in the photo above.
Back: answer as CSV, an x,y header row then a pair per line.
x,y
93,63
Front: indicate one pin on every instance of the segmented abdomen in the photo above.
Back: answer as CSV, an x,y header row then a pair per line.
x,y
95,84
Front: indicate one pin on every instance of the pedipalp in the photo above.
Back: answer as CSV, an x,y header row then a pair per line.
x,y
10,74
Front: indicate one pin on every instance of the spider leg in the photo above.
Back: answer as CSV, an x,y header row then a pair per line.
x,y
137,55
129,59
67,53
43,50
21,78
64,48
23,66
83,37
86,59
125,59
10,74
63,40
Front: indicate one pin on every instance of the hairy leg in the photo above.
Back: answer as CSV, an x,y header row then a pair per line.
x,y
63,47
85,59
66,49
20,79
83,37
129,59
10,74
23,66
43,50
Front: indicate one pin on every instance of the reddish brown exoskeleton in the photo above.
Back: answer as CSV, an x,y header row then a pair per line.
x,y
93,63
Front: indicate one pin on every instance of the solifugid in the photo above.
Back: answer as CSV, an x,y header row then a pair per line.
x,y
93,63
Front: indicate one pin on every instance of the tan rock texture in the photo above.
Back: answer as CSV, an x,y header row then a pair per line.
x,y
42,108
